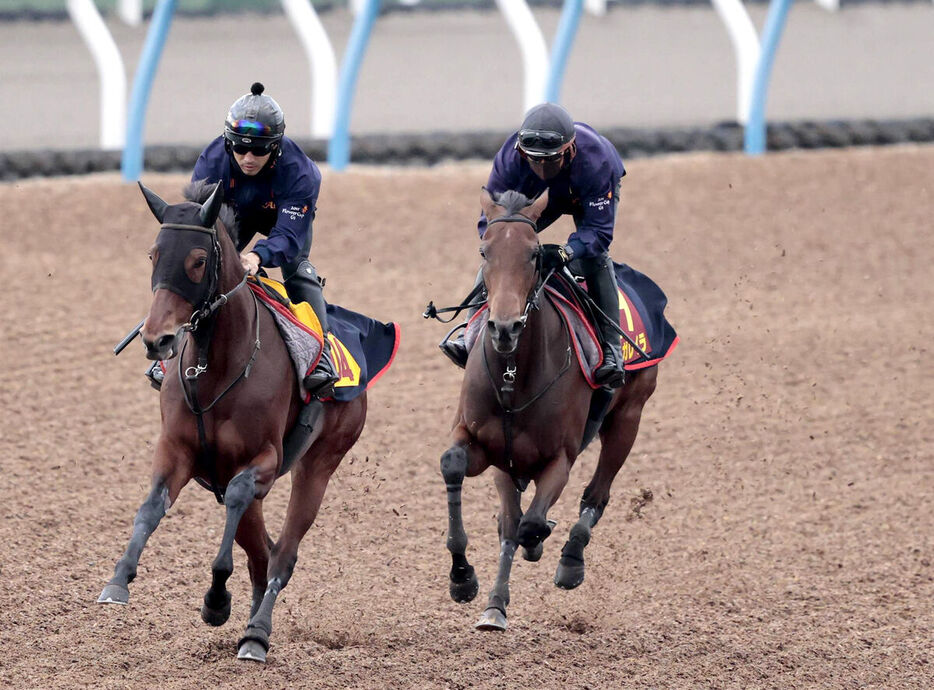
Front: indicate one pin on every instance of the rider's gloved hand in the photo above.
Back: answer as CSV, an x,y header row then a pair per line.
x,y
555,256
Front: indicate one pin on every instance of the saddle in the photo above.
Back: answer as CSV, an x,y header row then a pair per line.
x,y
362,348
641,306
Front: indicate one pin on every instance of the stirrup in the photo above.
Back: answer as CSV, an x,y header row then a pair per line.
x,y
155,375
455,349
611,374
320,382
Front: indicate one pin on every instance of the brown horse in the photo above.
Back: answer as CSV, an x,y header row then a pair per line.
x,y
229,397
523,410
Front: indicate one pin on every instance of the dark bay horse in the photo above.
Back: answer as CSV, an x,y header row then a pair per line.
x,y
229,397
523,408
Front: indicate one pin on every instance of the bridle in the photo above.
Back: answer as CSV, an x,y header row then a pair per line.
x,y
504,392
201,326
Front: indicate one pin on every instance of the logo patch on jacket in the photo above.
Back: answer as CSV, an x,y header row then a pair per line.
x,y
295,212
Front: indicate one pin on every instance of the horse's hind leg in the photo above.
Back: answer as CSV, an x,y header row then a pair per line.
x,y
309,481
255,541
494,616
240,493
617,436
168,480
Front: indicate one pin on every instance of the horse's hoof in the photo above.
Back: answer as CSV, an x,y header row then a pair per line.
x,y
492,619
532,532
251,650
534,554
114,594
462,592
216,616
569,576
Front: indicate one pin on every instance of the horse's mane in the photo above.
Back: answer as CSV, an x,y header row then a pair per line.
x,y
199,191
512,201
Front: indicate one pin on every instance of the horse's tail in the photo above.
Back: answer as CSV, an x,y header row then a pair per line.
x,y
200,191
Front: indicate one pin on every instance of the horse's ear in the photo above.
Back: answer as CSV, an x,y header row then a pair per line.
x,y
212,207
537,207
486,202
156,205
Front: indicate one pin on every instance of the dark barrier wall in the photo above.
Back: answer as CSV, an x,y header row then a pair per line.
x,y
399,149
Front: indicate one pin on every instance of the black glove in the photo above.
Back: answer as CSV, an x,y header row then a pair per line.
x,y
554,256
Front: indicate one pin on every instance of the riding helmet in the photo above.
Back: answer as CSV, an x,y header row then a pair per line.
x,y
254,120
547,129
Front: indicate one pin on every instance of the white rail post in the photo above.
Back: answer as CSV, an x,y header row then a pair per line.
x,y
110,69
532,47
321,61
595,7
130,11
746,47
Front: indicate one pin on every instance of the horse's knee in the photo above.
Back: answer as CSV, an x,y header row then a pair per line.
x,y
240,491
153,508
454,465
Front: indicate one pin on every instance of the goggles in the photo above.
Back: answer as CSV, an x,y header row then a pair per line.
x,y
540,143
250,128
262,150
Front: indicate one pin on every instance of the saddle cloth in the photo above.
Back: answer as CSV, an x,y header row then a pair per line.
x,y
641,314
362,348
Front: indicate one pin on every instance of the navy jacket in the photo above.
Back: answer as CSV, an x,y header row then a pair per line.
x,y
279,202
586,189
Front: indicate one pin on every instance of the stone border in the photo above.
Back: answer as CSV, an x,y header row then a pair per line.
x,y
428,149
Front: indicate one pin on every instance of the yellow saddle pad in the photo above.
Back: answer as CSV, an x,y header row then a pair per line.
x,y
302,310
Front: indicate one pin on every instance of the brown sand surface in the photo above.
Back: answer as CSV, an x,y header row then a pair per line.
x,y
788,449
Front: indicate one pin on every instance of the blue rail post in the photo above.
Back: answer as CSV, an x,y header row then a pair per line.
x,y
771,35
564,38
132,162
339,145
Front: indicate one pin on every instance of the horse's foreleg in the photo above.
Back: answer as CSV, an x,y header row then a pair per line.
x,y
168,480
617,436
239,494
534,527
494,617
309,480
463,584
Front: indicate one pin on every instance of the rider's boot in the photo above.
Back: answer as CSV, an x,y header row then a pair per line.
x,y
453,345
155,375
305,286
601,285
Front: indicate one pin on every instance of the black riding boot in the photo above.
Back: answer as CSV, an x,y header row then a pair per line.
x,y
454,347
304,286
601,285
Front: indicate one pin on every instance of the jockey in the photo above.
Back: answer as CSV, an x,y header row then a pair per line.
x,y
581,171
273,187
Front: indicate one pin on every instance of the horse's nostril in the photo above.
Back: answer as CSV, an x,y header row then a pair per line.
x,y
491,327
517,326
164,342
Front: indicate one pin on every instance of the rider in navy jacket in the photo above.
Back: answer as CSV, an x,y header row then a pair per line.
x,y
581,171
273,187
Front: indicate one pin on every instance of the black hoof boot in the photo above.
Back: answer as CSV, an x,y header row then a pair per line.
x,y
464,585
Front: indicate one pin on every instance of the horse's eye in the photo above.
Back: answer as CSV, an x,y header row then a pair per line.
x,y
200,261
482,253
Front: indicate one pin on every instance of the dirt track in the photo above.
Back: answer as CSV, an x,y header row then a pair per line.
x,y
787,449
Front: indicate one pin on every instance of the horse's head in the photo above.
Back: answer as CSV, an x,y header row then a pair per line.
x,y
511,263
185,269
